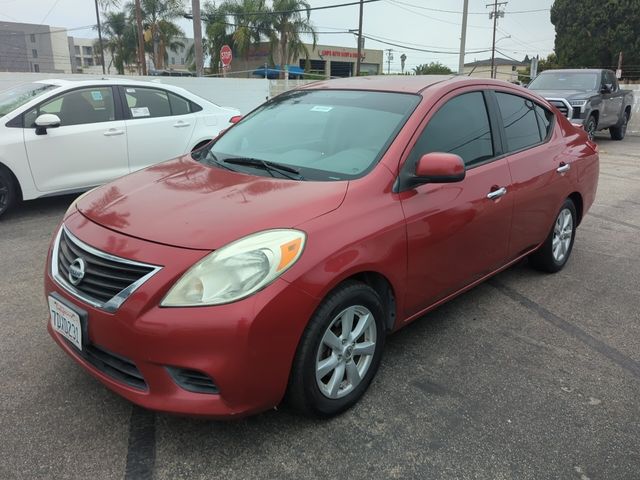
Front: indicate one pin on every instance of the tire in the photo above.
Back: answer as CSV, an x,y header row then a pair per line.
x,y
324,345
8,191
554,253
619,131
591,126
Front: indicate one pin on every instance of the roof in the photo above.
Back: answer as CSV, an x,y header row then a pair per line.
x,y
390,83
498,61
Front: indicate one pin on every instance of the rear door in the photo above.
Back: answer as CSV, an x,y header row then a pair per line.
x,y
90,146
456,234
159,125
537,167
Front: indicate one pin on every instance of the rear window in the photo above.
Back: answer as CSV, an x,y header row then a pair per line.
x,y
519,120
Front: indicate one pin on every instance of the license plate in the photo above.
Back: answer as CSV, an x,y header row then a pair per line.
x,y
66,322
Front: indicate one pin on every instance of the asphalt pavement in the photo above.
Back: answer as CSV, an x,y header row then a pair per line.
x,y
528,376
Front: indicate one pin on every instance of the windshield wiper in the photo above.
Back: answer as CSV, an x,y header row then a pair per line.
x,y
284,170
211,158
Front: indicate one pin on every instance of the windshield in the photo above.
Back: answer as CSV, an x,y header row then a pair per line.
x,y
21,94
323,134
587,81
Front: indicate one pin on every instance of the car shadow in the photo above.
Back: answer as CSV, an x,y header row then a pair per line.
x,y
49,206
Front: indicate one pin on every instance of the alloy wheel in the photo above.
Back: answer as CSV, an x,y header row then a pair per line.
x,y
562,235
346,351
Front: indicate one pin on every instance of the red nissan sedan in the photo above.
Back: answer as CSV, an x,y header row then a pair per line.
x,y
273,262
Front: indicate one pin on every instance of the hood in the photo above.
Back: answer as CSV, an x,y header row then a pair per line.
x,y
185,204
566,94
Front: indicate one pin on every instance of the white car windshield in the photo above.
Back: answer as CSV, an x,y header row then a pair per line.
x,y
319,134
19,95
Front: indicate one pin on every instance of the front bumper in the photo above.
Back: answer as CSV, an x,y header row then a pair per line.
x,y
246,347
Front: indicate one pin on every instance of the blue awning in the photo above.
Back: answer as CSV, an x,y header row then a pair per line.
x,y
274,72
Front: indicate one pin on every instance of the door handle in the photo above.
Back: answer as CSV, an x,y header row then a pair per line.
x,y
563,168
112,132
495,194
181,124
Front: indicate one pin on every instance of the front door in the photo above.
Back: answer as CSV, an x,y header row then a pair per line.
x,y
457,232
89,148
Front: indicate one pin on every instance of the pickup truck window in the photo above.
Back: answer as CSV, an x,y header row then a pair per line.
x,y
587,81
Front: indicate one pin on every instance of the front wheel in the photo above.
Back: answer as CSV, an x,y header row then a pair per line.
x,y
339,353
591,126
554,253
8,194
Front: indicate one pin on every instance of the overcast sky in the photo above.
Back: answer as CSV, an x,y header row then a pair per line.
x,y
411,23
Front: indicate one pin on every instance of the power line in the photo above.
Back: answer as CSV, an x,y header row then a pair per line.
x,y
469,13
50,10
396,4
281,12
393,44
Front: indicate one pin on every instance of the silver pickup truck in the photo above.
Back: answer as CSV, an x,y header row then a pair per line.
x,y
591,98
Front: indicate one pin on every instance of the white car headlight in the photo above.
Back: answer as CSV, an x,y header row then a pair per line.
x,y
237,270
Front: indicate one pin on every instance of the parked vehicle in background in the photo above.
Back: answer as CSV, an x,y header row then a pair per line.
x,y
293,243
65,136
589,97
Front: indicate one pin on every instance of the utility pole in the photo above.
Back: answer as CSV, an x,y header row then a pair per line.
x,y
359,41
463,37
619,70
141,55
495,13
104,72
197,37
389,58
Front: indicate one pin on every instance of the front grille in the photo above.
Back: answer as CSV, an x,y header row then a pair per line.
x,y
193,381
577,112
117,367
560,105
108,280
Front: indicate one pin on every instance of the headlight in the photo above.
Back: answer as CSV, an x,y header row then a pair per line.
x,y
72,207
237,270
577,103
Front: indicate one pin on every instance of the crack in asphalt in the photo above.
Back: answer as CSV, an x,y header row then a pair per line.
x,y
576,332
141,451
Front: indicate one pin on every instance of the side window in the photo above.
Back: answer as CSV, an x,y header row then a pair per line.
x,y
179,105
147,102
460,126
610,79
544,117
87,105
519,120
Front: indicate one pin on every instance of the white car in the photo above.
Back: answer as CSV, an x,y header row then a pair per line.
x,y
66,136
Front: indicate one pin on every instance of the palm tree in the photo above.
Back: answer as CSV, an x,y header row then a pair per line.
x,y
217,30
157,16
119,39
251,24
287,27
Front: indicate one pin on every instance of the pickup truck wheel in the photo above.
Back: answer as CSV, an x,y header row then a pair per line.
x,y
591,126
619,131
8,195
554,253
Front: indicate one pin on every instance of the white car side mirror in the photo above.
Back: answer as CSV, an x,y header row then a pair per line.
x,y
46,120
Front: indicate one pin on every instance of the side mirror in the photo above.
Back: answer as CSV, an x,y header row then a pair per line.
x,y
440,167
46,120
607,88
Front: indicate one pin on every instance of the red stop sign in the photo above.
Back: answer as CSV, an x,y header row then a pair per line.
x,y
225,55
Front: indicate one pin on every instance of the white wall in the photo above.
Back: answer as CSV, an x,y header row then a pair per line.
x,y
634,124
245,94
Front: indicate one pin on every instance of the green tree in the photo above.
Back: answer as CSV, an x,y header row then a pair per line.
x,y
433,68
119,39
591,33
250,25
288,27
217,31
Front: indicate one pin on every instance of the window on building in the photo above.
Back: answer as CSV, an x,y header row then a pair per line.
x,y
33,37
34,53
36,67
87,51
181,60
88,61
460,126
519,120
77,49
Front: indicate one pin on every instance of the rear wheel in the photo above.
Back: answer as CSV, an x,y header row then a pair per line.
x,y
8,191
619,131
339,353
554,253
